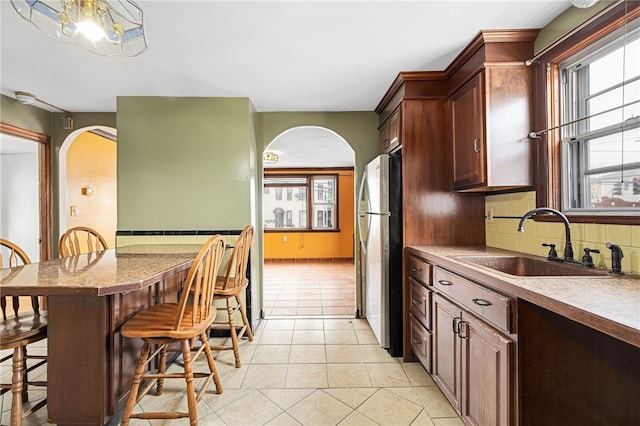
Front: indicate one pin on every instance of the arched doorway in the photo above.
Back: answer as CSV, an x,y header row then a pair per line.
x,y
309,225
87,181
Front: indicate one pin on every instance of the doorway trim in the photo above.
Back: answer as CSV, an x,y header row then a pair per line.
x,y
44,171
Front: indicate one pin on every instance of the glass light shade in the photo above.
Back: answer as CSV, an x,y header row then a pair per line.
x,y
120,24
583,4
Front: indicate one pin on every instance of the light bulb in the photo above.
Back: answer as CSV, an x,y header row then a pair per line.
x,y
90,30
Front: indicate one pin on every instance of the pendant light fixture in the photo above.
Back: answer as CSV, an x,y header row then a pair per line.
x,y
103,27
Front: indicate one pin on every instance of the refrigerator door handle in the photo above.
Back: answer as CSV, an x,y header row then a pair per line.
x,y
363,214
360,213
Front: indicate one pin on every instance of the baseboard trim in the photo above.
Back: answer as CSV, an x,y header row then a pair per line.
x,y
308,260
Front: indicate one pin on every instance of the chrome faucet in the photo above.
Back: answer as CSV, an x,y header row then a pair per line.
x,y
568,249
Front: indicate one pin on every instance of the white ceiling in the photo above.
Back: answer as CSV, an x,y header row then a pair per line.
x,y
283,55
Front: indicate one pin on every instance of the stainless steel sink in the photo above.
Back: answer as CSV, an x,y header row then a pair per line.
x,y
530,267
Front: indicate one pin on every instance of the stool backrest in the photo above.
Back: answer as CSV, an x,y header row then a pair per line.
x,y
79,240
236,273
16,257
196,302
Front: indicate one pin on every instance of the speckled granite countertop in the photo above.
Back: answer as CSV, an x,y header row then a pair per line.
x,y
99,274
608,303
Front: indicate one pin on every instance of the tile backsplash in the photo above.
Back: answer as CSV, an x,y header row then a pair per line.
x,y
503,233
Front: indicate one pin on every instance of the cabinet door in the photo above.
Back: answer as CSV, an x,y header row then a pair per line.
x,y
390,132
446,348
468,138
383,137
486,374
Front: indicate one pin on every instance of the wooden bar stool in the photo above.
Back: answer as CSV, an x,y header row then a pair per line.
x,y
79,240
167,324
230,286
16,332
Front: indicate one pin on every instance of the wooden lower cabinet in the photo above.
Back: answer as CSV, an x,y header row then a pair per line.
x,y
101,359
473,365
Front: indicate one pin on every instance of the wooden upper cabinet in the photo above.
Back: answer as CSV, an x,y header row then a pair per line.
x,y
468,134
390,132
491,113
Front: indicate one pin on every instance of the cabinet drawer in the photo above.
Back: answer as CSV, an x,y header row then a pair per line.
x,y
421,343
491,306
420,270
420,298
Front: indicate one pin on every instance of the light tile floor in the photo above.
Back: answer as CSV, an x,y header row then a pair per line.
x,y
309,289
306,372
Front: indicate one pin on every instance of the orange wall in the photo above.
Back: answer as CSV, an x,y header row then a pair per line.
x,y
91,160
319,245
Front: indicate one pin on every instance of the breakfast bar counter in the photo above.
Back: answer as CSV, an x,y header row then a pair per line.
x,y
89,297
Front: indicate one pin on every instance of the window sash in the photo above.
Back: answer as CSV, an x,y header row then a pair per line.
x,y
606,120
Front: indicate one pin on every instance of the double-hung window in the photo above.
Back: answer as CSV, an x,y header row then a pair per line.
x,y
310,202
600,132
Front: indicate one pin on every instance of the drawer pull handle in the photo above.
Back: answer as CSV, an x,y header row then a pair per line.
x,y
416,341
414,269
481,302
417,301
445,282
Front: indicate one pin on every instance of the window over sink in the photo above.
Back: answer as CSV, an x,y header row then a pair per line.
x,y
587,87
600,98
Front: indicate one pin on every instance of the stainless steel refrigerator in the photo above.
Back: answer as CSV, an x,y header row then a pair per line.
x,y
380,226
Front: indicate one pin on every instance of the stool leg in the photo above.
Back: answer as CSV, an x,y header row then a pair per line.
x,y
212,363
188,377
245,319
25,377
137,378
16,386
162,368
234,334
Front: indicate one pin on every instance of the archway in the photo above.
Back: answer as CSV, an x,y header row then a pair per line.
x,y
87,181
309,223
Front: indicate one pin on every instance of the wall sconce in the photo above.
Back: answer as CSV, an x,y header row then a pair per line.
x,y
87,190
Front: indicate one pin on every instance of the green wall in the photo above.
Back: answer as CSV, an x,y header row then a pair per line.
x,y
26,116
184,163
566,22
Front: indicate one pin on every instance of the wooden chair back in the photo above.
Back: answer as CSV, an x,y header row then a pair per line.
x,y
196,302
235,276
80,240
16,257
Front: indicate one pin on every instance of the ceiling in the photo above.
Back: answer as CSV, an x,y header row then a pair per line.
x,y
283,55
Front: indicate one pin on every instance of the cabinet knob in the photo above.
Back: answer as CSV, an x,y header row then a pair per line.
x,y
417,301
414,269
475,145
416,341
